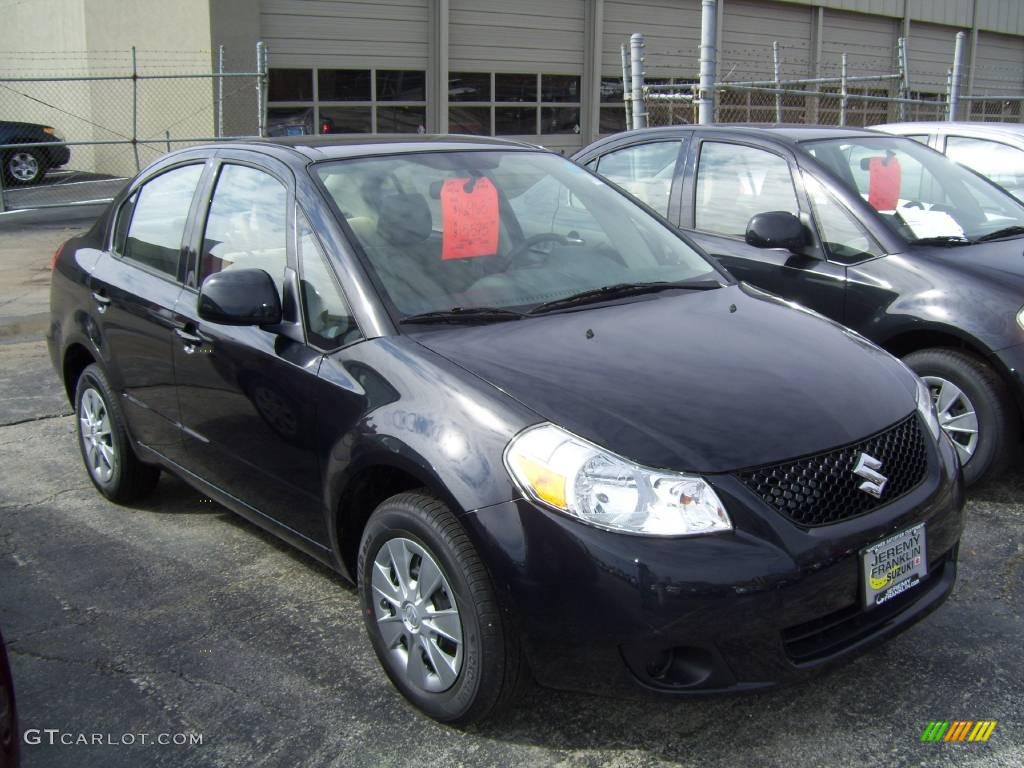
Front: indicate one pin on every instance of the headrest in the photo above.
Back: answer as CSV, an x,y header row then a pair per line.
x,y
404,219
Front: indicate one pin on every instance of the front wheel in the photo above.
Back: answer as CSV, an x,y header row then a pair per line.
x,y
431,612
111,462
974,409
24,167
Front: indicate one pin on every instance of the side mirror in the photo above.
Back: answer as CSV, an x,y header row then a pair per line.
x,y
240,297
777,229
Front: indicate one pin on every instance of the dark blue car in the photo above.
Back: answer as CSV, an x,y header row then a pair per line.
x,y
23,165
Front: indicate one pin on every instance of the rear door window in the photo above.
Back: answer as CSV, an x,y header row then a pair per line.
x,y
158,212
644,170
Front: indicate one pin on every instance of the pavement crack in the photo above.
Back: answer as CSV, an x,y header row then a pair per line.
x,y
45,500
32,419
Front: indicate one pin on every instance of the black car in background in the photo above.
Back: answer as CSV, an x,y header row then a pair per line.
x,y
9,736
877,232
581,454
28,164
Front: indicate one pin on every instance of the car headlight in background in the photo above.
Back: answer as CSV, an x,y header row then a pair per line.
x,y
1020,317
576,477
926,407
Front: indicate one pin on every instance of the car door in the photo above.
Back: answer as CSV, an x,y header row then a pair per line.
x,y
648,170
247,394
733,181
135,286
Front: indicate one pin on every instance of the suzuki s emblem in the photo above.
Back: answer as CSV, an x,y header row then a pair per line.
x,y
874,482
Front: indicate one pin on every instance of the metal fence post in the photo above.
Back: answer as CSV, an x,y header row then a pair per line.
x,y
843,92
636,55
627,86
954,78
776,67
904,76
135,110
220,91
708,61
260,82
3,206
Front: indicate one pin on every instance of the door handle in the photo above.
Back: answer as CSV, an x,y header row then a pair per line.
x,y
191,340
102,302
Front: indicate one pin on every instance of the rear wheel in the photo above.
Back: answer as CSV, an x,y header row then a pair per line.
x,y
974,409
431,612
24,166
111,462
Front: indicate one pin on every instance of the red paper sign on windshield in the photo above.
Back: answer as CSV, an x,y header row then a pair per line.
x,y
469,218
884,183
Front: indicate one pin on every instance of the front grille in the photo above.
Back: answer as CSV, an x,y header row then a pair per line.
x,y
822,489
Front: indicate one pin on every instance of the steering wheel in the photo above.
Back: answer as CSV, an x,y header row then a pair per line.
x,y
515,255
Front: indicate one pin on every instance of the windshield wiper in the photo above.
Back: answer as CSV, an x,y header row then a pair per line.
x,y
1001,233
622,290
941,240
465,315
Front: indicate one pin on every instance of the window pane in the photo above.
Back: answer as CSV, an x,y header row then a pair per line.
x,y
329,322
343,84
344,119
513,121
611,90
559,120
401,119
645,171
843,238
559,88
1001,163
613,119
474,120
158,222
289,121
246,226
920,138
469,86
734,183
401,85
290,85
515,87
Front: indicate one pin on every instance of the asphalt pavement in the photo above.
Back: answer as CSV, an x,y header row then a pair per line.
x,y
177,620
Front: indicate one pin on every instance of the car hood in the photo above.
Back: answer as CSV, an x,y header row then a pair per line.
x,y
1002,260
707,381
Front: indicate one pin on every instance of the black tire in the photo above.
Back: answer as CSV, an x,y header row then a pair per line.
x,y
18,163
998,425
492,671
128,478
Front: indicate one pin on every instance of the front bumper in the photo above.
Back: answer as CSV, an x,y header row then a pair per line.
x,y
764,604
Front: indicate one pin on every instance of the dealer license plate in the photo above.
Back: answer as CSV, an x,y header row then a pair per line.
x,y
893,566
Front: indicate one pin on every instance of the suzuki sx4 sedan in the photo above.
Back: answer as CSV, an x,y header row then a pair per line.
x,y
586,457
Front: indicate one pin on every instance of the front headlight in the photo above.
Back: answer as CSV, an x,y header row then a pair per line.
x,y
576,477
1020,317
926,407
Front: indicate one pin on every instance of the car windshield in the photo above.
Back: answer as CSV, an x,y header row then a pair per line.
x,y
504,230
920,193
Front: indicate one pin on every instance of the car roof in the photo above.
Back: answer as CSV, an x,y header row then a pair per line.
x,y
967,126
328,147
782,133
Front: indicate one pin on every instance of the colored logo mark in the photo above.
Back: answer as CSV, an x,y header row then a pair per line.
x,y
959,730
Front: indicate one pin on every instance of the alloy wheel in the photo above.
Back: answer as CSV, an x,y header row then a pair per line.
x,y
417,616
97,438
23,166
957,415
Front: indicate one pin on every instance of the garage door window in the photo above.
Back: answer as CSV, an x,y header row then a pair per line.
x,y
735,182
321,100
511,104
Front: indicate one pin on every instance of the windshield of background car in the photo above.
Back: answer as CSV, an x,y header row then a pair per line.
x,y
499,229
919,192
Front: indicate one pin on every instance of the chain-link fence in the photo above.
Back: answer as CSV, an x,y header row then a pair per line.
x,y
75,127
861,86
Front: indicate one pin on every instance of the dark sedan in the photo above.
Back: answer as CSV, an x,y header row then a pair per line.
x,y
28,151
583,455
877,232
